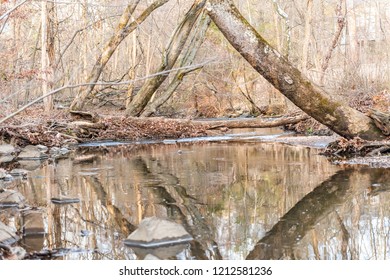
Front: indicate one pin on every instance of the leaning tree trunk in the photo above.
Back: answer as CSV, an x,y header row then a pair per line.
x,y
186,60
123,29
171,54
313,100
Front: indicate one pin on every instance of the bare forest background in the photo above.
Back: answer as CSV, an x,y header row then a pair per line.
x,y
342,45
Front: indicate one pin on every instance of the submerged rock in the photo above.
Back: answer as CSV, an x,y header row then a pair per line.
x,y
18,172
4,175
33,223
7,235
64,200
151,257
29,164
11,199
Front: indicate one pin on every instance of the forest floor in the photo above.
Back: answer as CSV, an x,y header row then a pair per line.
x,y
59,128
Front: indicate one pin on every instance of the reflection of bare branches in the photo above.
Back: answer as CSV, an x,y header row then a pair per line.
x,y
88,221
345,237
125,226
315,245
177,201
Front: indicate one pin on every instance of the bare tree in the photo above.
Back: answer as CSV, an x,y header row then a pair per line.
x,y
336,38
123,29
313,100
47,51
307,32
170,55
186,60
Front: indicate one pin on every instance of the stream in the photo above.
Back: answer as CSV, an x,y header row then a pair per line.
x,y
240,196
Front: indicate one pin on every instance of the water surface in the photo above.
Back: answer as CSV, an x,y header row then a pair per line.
x,y
241,199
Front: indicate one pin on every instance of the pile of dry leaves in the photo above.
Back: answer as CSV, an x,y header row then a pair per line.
x,y
59,128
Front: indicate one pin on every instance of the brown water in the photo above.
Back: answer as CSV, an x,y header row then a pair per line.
x,y
238,199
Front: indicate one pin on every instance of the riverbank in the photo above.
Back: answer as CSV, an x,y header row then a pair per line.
x,y
38,135
20,162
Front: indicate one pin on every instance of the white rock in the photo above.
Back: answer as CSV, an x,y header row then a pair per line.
x,y
157,232
7,149
31,152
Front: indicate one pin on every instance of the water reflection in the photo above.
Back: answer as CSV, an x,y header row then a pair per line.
x,y
238,200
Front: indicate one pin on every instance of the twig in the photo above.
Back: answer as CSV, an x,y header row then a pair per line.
x,y
13,9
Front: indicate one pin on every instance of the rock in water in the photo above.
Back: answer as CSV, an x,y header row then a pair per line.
x,y
156,232
7,153
7,149
64,200
33,223
11,199
31,152
7,235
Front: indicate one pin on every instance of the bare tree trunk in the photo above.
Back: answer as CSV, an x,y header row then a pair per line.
x,y
44,59
187,60
133,67
353,53
171,54
123,29
313,100
306,40
284,47
336,38
47,51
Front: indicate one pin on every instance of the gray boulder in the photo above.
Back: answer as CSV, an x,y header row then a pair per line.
x,y
7,149
31,152
18,172
7,153
158,238
157,232
33,223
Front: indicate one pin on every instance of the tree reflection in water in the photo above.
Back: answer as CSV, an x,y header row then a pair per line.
x,y
238,200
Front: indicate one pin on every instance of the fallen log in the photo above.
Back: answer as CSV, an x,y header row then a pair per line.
x,y
253,122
